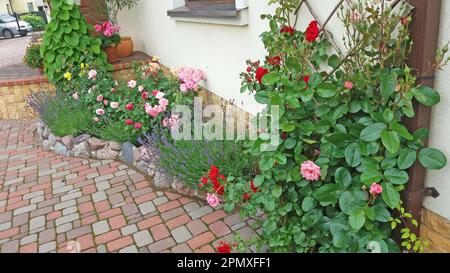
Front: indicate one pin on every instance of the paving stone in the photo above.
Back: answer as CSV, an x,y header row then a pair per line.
x,y
47,236
5,226
128,230
100,227
64,228
161,245
99,196
37,222
48,247
67,219
200,212
147,207
129,249
143,238
181,234
25,209
28,239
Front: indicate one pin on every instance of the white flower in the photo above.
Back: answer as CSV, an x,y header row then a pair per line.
x,y
114,105
132,84
160,95
140,88
76,96
92,74
100,112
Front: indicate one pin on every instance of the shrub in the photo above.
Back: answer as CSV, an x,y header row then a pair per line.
x,y
67,41
334,182
33,57
190,160
36,21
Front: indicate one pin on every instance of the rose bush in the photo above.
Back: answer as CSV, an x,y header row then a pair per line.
x,y
334,182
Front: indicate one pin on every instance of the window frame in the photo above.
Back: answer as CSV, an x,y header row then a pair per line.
x,y
208,8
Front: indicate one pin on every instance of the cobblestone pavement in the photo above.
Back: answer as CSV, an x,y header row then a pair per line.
x,y
51,203
11,59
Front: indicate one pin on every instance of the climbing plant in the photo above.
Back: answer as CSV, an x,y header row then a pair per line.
x,y
67,41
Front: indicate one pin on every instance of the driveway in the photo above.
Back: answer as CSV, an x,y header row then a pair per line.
x,y
11,59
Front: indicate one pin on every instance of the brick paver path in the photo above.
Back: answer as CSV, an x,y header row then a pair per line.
x,y
51,203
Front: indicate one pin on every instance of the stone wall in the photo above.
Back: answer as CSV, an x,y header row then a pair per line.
x,y
13,100
436,230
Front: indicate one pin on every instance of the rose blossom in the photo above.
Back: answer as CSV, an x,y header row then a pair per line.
x,y
96,119
151,110
348,85
92,74
98,28
310,171
100,98
260,72
100,112
376,189
128,122
312,32
129,107
355,16
223,247
114,105
141,88
144,95
160,95
183,88
212,200
138,125
163,103
132,84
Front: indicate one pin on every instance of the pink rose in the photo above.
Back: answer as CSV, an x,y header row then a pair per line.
x,y
92,74
98,28
355,16
96,119
212,200
144,95
100,112
310,171
376,189
128,122
348,85
163,102
114,105
105,102
138,125
183,88
151,111
129,107
100,98
132,84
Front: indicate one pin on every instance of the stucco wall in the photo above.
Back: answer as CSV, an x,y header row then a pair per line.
x,y
22,6
440,129
3,8
221,50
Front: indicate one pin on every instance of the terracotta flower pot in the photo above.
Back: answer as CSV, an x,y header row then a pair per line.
x,y
125,47
111,52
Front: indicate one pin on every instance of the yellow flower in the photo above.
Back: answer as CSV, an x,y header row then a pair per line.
x,y
68,76
82,65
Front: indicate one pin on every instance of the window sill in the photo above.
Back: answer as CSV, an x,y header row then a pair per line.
x,y
215,14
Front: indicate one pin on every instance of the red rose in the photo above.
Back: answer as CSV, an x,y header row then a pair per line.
x,y
223,247
204,180
200,185
306,79
214,172
144,95
246,197
249,69
287,29
252,186
275,61
138,125
312,32
129,107
128,122
260,72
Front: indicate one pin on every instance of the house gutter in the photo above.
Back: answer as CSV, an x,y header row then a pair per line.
x,y
425,32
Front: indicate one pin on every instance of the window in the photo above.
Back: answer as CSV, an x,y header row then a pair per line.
x,y
30,6
206,8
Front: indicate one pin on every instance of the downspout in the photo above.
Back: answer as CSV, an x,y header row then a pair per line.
x,y
425,32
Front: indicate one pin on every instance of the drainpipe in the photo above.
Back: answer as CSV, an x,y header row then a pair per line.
x,y
425,32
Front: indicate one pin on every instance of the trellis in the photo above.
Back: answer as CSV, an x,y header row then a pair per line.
x,y
425,29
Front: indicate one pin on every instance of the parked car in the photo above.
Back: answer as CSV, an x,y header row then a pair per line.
x,y
9,27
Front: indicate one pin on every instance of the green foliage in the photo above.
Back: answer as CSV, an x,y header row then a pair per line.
x,y
67,41
36,21
354,133
33,57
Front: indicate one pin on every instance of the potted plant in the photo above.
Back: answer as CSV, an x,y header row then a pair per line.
x,y
33,57
109,34
125,47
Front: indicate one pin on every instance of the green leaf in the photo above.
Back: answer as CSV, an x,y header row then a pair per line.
x,y
388,82
406,158
388,115
338,138
280,158
269,205
343,177
357,219
352,155
328,193
372,132
258,181
401,130
432,159
396,177
270,78
308,204
391,141
277,191
371,176
426,96
390,195
266,163
326,90
381,214
334,61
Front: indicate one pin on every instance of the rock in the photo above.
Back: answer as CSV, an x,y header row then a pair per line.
x,y
107,153
162,180
60,149
81,138
46,133
115,146
97,144
82,150
128,153
67,141
48,145
52,138
40,131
